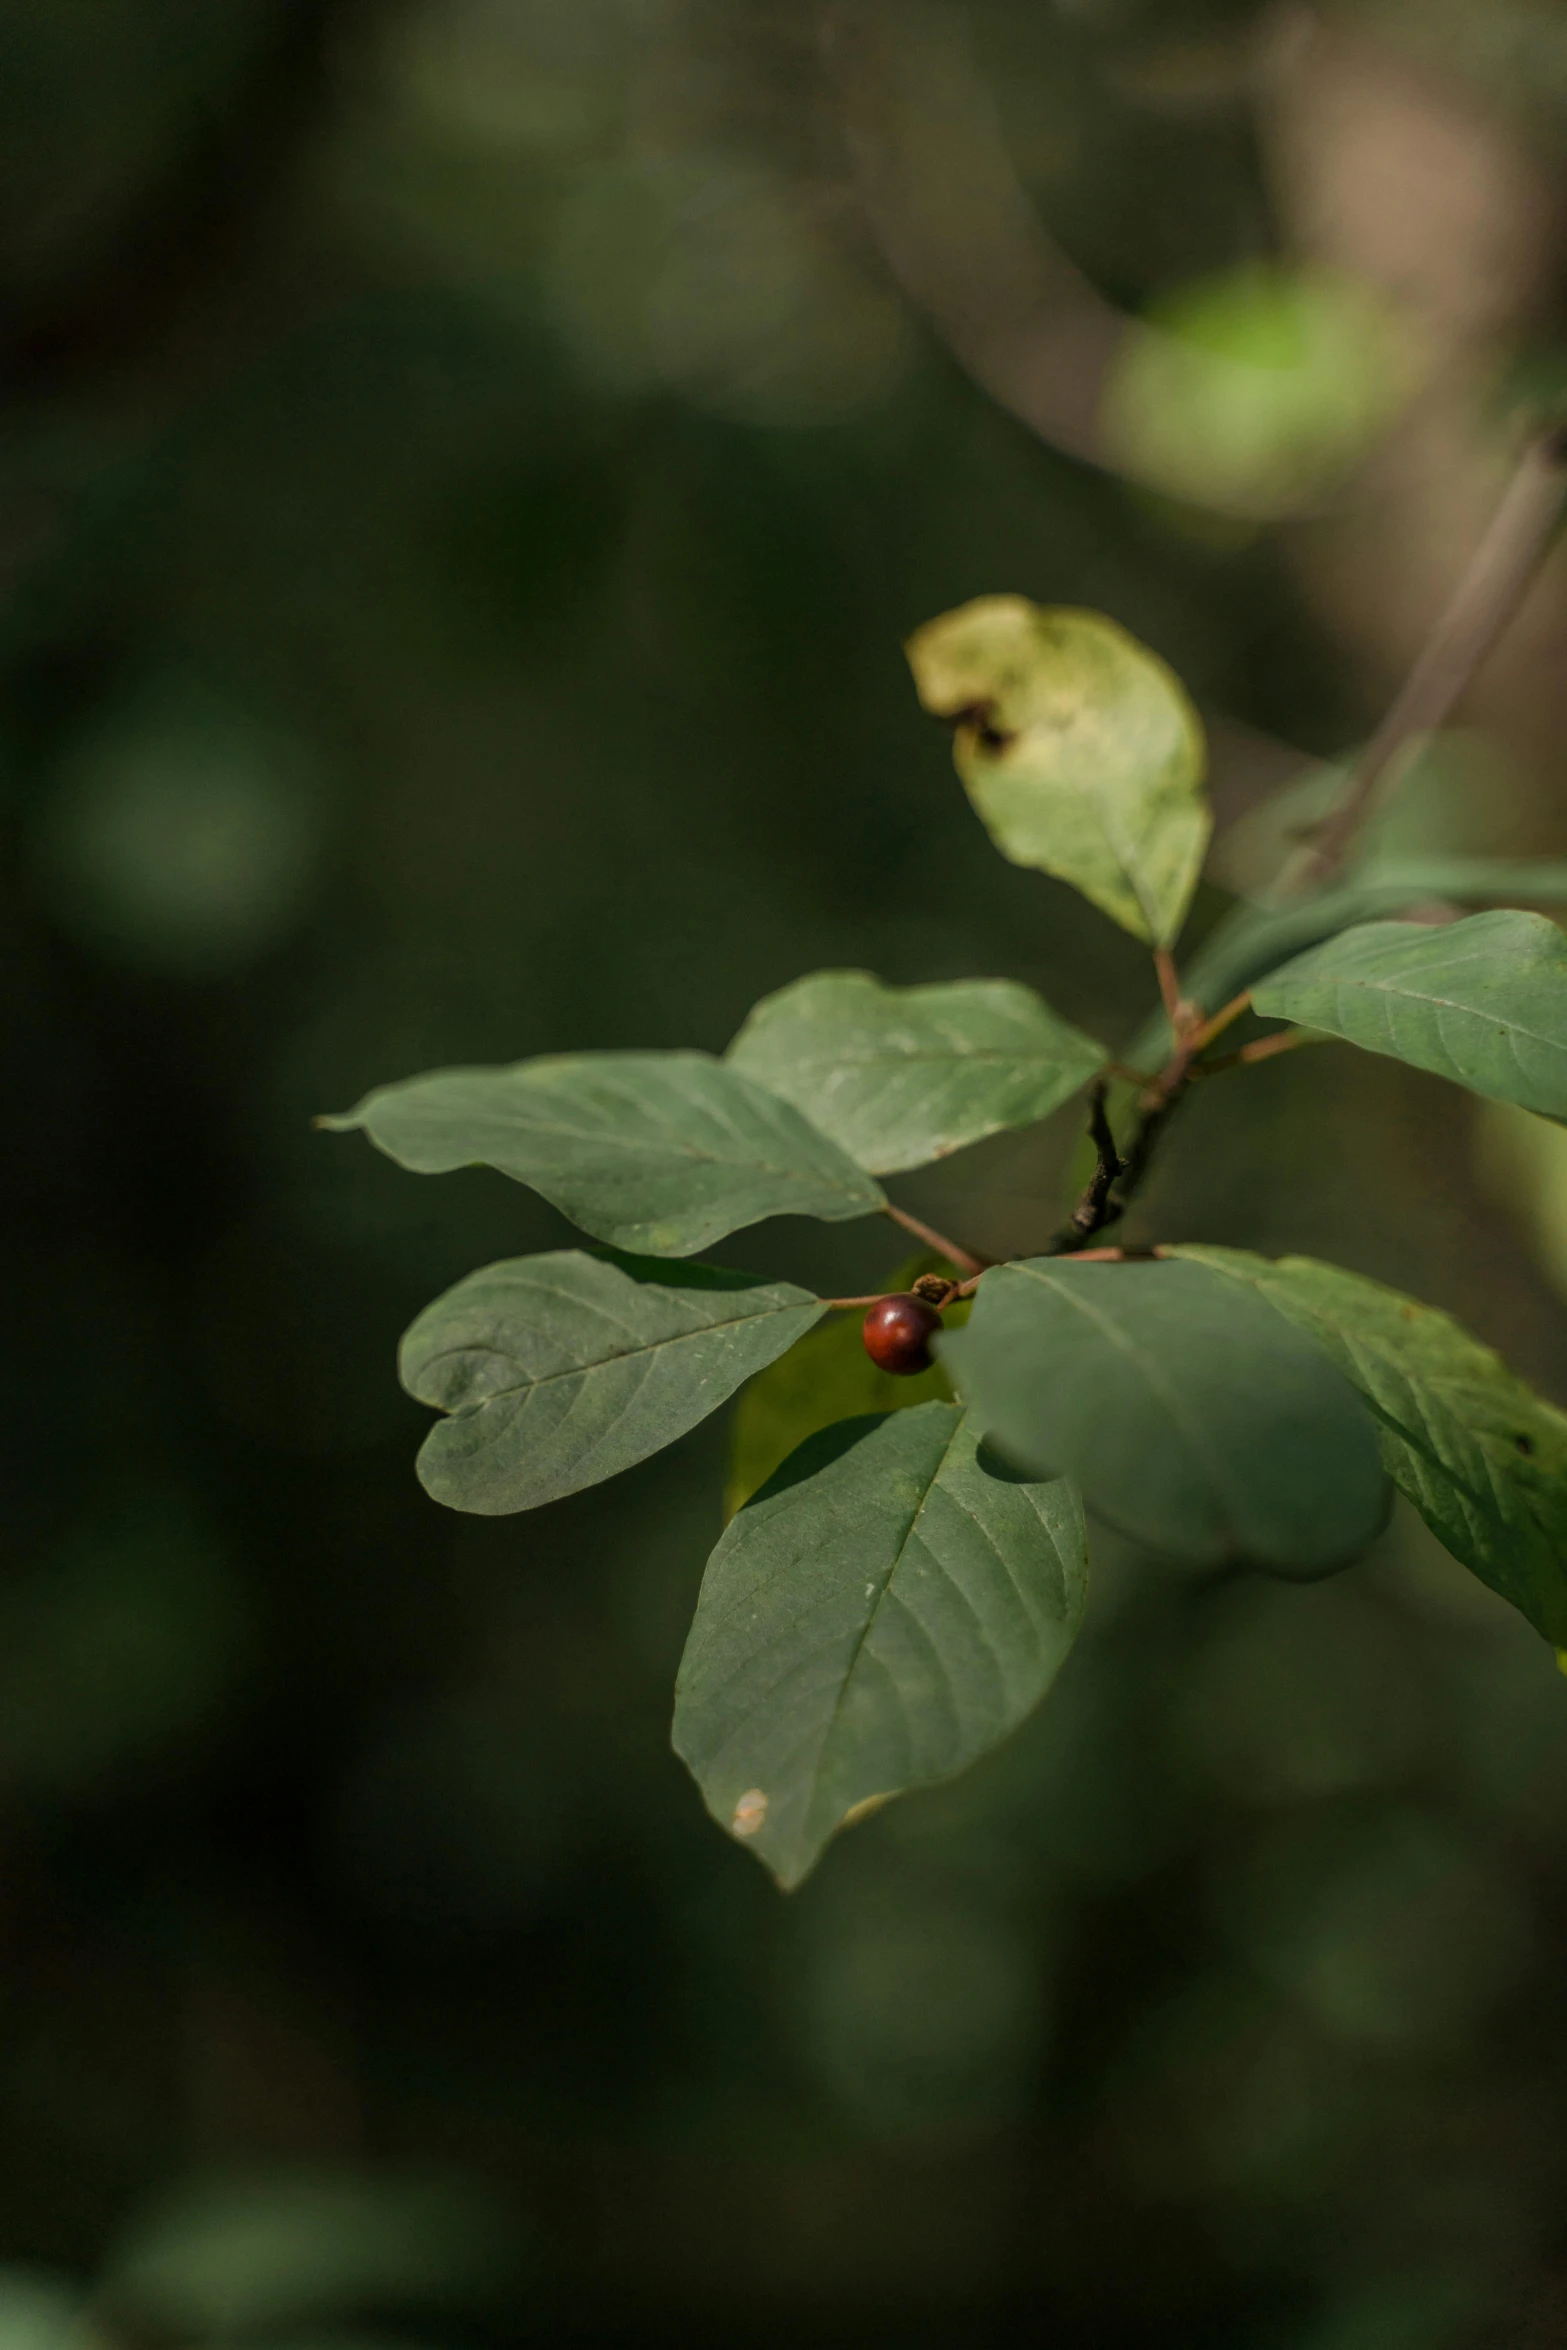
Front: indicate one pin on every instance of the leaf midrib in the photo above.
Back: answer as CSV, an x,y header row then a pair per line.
x,y
1420,995
904,1539
608,1137
598,1362
956,1056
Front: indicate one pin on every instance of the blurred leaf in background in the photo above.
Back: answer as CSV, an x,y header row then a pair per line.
x,y
1261,389
254,2258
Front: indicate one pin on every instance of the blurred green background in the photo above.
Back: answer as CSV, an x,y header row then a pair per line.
x,y
467,469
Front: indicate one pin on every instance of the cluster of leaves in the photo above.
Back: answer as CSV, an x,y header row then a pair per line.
x,y
905,1563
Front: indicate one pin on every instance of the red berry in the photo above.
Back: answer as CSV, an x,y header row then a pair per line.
x,y
898,1332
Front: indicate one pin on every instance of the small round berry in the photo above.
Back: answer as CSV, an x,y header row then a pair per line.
x,y
898,1332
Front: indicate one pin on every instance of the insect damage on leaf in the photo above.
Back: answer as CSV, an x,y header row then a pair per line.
x,y
1079,748
750,1813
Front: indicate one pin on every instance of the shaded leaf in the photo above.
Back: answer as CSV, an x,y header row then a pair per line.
x,y
1482,1001
1480,1455
1193,1417
827,1377
887,1608
661,1153
902,1075
1079,749
564,1369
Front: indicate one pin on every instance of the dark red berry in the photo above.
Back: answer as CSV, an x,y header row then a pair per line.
x,y
898,1332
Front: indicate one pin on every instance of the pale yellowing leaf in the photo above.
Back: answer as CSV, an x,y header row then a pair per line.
x,y
1079,748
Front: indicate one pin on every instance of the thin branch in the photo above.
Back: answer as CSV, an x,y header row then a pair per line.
x,y
1150,1129
964,1258
1494,585
1263,1048
1169,988
957,228
929,1286
1095,1209
1488,597
1201,1038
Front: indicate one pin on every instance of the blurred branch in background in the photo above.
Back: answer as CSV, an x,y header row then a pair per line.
x,y
1385,176
956,226
966,242
1486,601
1388,160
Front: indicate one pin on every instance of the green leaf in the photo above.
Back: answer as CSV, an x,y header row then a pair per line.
x,y
902,1075
888,1607
1257,939
1482,1001
661,1153
827,1377
1079,749
561,1370
1194,1419
1480,1455
1252,940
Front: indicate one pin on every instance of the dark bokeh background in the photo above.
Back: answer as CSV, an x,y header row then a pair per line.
x,y
467,469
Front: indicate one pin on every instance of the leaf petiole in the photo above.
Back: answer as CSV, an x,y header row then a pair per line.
x,y
965,1258
1263,1048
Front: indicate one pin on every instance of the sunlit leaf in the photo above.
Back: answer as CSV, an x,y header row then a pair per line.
x,y
1481,1456
1078,747
564,1369
1194,1418
888,1607
660,1153
1482,1001
902,1075
827,1377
